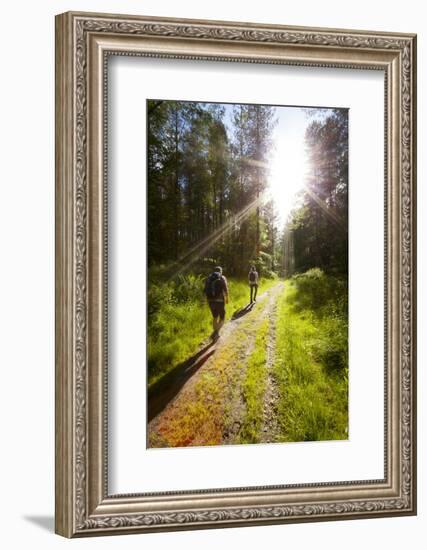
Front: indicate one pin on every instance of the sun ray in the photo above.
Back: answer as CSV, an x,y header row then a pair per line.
x,y
322,204
199,249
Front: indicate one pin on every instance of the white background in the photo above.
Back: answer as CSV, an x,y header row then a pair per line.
x,y
27,275
133,468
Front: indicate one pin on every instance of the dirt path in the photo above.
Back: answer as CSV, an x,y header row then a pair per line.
x,y
205,404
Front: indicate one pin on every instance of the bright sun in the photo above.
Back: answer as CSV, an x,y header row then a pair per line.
x,y
287,176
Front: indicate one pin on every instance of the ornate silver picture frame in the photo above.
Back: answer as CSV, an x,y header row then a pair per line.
x,y
84,42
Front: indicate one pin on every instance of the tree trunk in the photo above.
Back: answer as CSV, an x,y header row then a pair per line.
x,y
176,190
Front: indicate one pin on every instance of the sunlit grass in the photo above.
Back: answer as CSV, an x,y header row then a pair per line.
x,y
311,368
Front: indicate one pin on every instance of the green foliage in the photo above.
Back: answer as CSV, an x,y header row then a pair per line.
x,y
323,294
331,347
188,288
159,295
265,264
181,290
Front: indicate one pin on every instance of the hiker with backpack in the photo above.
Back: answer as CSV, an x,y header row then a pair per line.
x,y
253,283
216,291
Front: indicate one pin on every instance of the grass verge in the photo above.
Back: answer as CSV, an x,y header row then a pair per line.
x,y
311,368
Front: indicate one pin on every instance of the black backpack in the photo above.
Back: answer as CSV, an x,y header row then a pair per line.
x,y
213,286
252,276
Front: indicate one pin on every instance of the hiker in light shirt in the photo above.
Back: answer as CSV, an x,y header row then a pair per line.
x,y
253,283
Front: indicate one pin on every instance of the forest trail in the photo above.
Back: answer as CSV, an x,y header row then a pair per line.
x,y
214,397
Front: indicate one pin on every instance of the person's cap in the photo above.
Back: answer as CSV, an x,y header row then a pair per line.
x,y
218,269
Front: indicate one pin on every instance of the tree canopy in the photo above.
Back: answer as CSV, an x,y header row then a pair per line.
x,y
319,225
208,170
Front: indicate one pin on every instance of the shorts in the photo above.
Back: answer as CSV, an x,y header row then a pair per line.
x,y
218,310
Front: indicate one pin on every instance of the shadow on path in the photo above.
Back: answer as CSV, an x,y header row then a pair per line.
x,y
163,391
243,311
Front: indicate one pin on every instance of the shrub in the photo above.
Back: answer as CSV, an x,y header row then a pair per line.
x,y
324,299
331,349
325,295
188,288
184,289
159,295
312,288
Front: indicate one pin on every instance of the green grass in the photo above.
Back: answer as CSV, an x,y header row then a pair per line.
x,y
180,320
254,387
311,364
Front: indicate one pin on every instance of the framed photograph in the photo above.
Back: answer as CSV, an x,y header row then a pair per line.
x,y
235,274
